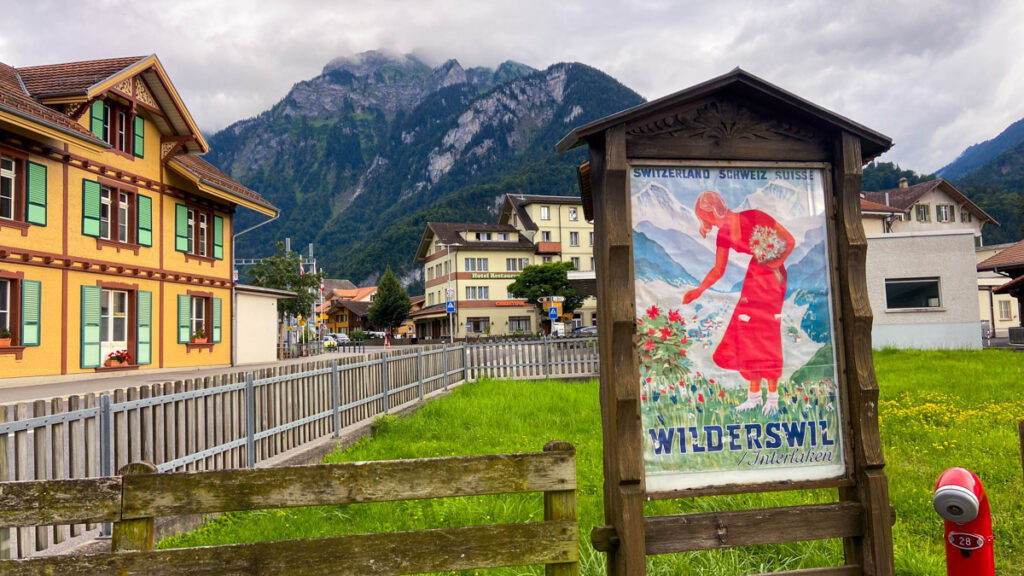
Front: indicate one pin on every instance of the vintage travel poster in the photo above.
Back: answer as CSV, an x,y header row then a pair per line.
x,y
734,327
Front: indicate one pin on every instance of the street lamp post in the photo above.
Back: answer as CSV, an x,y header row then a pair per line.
x,y
448,292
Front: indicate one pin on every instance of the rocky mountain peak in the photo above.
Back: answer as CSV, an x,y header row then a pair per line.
x,y
369,62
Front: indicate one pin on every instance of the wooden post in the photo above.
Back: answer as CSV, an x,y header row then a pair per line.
x,y
133,535
560,505
873,552
620,401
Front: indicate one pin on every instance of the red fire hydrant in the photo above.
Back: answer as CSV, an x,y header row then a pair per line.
x,y
960,499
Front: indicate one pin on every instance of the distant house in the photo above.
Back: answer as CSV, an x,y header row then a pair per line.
x,y
346,308
921,267
1001,286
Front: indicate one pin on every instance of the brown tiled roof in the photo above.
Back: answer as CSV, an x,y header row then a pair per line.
x,y
357,308
904,198
14,99
1012,257
71,78
868,205
208,174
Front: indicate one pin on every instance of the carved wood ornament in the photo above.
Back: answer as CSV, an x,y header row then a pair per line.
x,y
723,122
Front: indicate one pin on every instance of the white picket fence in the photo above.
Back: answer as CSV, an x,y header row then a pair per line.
x,y
237,420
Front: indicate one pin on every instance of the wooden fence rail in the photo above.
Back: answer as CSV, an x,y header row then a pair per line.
x,y
238,420
135,498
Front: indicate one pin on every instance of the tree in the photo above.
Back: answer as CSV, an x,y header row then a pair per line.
x,y
283,272
391,304
551,279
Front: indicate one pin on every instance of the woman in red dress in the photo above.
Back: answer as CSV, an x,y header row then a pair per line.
x,y
752,343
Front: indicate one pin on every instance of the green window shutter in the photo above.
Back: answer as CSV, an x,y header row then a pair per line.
x,y
91,208
144,220
180,228
96,119
216,320
31,303
184,318
139,136
90,350
218,237
35,208
144,327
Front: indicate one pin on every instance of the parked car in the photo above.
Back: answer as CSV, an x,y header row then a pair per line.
x,y
376,334
341,338
330,343
586,330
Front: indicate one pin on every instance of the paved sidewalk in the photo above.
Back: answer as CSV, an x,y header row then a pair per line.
x,y
44,388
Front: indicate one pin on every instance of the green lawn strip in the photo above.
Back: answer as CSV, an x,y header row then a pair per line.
x,y
937,409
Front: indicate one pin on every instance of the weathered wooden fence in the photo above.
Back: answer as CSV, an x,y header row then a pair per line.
x,y
135,498
238,420
222,422
569,357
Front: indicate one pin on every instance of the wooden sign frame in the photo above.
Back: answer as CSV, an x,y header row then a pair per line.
x,y
734,118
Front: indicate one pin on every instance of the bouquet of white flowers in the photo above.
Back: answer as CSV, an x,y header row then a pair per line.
x,y
766,245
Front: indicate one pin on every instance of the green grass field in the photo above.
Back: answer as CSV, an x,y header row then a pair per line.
x,y
938,409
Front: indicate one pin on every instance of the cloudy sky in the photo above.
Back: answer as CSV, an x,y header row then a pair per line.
x,y
935,75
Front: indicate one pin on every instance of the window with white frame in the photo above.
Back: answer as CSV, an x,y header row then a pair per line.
x,y
574,238
1005,310
592,263
573,215
591,238
476,264
944,213
575,262
485,236
546,259
921,213
577,320
903,293
5,305
503,236
8,177
965,215
516,264
197,315
545,213
447,267
545,236
105,201
477,292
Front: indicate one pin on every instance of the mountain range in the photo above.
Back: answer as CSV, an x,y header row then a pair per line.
x,y
360,157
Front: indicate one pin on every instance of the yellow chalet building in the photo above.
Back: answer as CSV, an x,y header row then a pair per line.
x,y
114,235
477,262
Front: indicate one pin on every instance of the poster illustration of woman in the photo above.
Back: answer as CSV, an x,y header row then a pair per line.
x,y
752,344
738,380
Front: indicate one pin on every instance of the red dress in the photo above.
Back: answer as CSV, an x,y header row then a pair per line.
x,y
752,343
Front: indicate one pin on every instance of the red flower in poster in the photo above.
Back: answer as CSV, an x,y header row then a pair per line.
x,y
665,333
648,344
653,312
673,316
661,351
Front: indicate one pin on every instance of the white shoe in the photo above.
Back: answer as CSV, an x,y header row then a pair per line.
x,y
753,401
771,406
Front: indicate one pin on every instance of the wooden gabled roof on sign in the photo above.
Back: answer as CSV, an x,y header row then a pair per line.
x,y
720,118
142,78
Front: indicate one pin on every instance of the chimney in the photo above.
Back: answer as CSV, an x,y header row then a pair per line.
x,y
903,182
887,193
